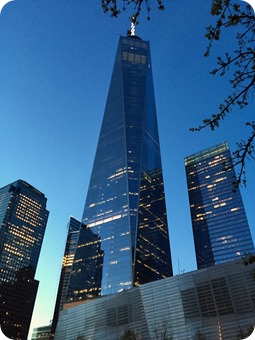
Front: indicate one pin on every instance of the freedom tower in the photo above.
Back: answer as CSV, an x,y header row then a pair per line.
x,y
125,207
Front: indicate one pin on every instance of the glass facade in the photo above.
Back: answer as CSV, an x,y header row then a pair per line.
x,y
220,227
73,229
23,219
86,272
125,206
41,333
215,303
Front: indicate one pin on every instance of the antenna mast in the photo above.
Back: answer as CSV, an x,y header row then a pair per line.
x,y
132,30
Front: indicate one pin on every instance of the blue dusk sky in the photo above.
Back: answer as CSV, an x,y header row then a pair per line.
x,y
56,62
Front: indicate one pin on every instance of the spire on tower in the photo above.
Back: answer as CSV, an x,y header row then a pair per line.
x,y
132,30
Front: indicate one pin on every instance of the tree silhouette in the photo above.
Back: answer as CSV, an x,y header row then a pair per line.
x,y
129,334
161,331
244,334
240,64
199,336
115,7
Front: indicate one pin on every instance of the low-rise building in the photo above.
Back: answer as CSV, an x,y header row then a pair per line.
x,y
217,302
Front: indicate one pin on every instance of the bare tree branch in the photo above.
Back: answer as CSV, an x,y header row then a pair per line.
x,y
245,151
114,7
242,66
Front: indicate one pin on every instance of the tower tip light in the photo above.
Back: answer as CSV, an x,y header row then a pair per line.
x,y
132,25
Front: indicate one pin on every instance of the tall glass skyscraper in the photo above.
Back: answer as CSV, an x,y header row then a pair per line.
x,y
23,219
125,206
73,229
220,227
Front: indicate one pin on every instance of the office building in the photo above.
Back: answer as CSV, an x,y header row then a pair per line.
x,y
41,333
23,219
73,229
220,227
86,269
215,303
125,206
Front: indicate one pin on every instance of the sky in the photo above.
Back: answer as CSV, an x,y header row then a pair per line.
x,y
56,62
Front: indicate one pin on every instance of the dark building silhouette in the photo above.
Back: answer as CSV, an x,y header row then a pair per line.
x,y
125,208
220,227
23,219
